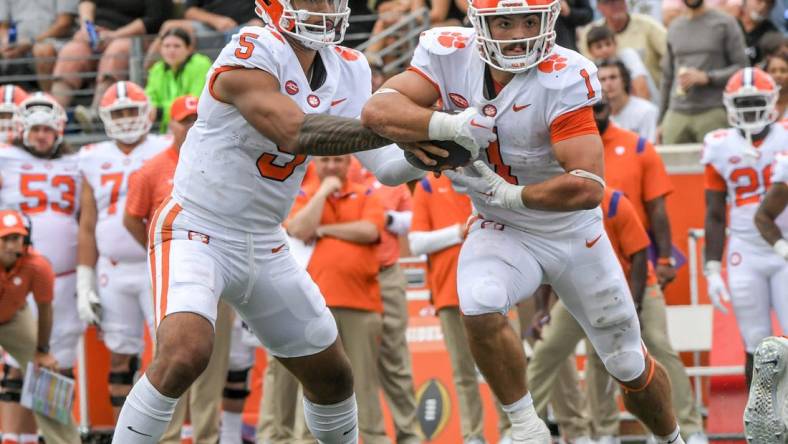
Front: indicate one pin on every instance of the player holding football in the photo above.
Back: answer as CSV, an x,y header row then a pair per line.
x,y
766,417
739,163
275,95
540,220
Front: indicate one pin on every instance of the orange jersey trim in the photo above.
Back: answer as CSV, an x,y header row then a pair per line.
x,y
215,75
713,181
579,122
426,77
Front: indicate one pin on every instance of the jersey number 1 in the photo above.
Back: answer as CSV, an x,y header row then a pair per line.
x,y
496,160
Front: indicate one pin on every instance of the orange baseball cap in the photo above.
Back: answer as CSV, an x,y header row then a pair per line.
x,y
183,107
11,222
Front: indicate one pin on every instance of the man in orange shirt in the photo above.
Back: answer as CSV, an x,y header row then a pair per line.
x,y
148,187
25,271
560,337
345,221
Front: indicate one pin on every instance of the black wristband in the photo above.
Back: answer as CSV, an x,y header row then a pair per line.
x,y
42,349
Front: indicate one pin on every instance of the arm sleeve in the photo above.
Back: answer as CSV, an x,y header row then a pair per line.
x,y
156,12
426,242
138,200
400,222
735,55
389,166
631,233
43,280
573,124
656,182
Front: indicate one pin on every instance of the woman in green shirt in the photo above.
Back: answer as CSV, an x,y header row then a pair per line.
x,y
180,72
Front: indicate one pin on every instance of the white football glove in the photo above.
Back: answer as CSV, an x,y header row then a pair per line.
x,y
469,128
781,248
489,186
88,303
718,291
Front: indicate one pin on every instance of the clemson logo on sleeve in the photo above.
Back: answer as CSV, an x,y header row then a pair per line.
x,y
450,39
553,63
346,53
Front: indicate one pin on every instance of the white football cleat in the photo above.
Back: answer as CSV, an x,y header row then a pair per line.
x,y
765,420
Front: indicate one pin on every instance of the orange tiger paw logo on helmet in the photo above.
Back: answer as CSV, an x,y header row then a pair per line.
x,y
450,39
553,63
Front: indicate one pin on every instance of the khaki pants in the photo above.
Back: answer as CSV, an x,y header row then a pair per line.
x,y
678,127
654,327
394,363
281,410
361,333
204,397
463,373
18,337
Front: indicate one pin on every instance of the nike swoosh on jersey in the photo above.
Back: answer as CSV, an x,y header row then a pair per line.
x,y
590,244
338,101
517,108
473,123
277,249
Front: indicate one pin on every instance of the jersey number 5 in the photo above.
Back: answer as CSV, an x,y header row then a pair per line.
x,y
65,184
748,193
247,45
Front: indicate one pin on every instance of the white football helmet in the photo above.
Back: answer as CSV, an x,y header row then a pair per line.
x,y
12,97
41,109
329,30
120,96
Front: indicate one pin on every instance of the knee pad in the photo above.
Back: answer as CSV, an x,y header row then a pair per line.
x,y
625,365
127,377
484,296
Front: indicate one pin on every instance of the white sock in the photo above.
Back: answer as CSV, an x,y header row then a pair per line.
x,y
673,438
231,428
526,424
144,416
334,423
28,438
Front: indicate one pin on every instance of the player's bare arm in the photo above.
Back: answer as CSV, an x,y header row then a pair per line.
x,y
637,277
87,252
715,225
773,204
660,226
136,227
256,95
44,359
400,110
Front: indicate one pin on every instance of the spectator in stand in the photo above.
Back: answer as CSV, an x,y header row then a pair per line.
x,y
25,271
637,31
181,72
602,46
777,67
345,219
755,24
114,22
38,28
442,12
628,112
574,13
204,17
705,47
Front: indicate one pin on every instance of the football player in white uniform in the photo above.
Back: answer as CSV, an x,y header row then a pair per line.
x,y
766,416
274,96
526,113
113,290
739,163
38,177
11,96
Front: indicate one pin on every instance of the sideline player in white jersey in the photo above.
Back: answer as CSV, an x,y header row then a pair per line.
x,y
113,289
38,177
739,164
11,96
274,96
539,216
766,416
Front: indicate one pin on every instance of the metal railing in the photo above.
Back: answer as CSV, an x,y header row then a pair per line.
x,y
406,33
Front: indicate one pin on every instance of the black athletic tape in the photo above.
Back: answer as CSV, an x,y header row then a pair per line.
x,y
238,375
10,397
231,393
12,384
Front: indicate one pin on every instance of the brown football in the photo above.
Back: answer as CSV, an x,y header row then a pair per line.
x,y
458,156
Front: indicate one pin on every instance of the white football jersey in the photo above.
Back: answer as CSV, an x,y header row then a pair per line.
x,y
230,174
107,169
523,110
780,172
747,177
47,191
